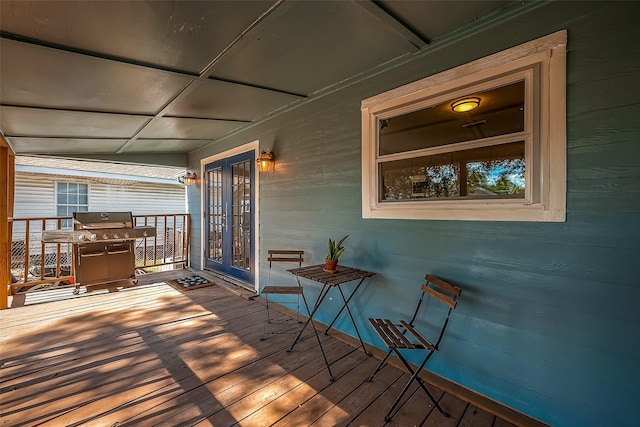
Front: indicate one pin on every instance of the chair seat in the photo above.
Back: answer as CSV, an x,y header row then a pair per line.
x,y
285,290
394,338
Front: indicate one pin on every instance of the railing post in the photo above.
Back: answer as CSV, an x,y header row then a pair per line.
x,y
7,177
187,239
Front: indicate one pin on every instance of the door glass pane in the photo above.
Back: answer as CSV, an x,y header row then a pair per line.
x,y
241,214
494,172
216,215
500,112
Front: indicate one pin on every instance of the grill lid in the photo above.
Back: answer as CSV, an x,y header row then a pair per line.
x,y
92,220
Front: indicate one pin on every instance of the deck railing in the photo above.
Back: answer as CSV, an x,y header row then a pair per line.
x,y
38,265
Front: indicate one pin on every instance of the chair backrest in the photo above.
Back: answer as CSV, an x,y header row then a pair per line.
x,y
442,292
281,255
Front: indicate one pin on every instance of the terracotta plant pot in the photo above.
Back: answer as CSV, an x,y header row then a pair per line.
x,y
331,265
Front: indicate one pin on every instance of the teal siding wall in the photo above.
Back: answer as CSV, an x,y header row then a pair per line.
x,y
548,322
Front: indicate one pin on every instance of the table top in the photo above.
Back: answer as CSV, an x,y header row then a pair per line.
x,y
343,274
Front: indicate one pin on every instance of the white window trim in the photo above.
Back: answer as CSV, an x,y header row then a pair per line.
x,y
549,201
63,181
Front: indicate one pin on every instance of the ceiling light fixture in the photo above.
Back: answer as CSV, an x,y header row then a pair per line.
x,y
465,104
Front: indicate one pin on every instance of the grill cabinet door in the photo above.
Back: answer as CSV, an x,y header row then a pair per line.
x,y
91,265
121,260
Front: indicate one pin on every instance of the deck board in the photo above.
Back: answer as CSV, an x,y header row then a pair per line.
x,y
151,355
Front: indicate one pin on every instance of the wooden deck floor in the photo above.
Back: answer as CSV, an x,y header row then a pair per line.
x,y
152,355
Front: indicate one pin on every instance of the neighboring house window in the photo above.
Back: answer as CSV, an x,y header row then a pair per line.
x,y
71,197
483,141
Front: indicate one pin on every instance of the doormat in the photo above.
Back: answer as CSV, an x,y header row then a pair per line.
x,y
191,282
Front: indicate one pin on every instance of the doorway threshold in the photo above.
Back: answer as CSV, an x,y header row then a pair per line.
x,y
238,287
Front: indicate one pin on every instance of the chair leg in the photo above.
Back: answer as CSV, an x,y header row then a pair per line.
x,y
269,320
267,317
379,367
414,376
306,306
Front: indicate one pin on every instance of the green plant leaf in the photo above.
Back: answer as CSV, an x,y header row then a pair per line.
x,y
335,249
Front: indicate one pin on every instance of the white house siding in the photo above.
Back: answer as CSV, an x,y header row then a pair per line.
x,y
35,196
141,199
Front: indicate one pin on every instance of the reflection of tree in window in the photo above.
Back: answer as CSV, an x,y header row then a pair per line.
x,y
442,181
496,178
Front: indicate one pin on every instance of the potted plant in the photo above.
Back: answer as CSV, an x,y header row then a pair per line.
x,y
335,250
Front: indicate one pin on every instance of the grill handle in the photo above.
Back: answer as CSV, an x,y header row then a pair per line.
x,y
91,255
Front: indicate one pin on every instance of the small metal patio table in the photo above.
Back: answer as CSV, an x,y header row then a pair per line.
x,y
343,275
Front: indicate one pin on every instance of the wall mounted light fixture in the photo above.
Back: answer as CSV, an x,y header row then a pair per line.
x,y
266,161
190,178
465,104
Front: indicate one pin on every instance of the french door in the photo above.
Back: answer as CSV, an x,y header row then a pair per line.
x,y
229,224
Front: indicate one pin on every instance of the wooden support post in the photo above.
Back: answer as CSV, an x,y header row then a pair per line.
x,y
7,179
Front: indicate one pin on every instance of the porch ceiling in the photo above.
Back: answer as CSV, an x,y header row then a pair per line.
x,y
113,79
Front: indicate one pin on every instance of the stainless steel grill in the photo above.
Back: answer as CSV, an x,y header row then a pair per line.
x,y
99,227
103,245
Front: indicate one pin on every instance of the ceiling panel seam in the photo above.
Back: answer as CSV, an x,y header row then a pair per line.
x,y
204,74
393,24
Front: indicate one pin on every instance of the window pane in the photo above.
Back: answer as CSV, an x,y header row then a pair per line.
x,y
487,172
72,197
500,112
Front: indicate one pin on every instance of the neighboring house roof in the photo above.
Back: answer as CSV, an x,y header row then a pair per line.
x,y
102,171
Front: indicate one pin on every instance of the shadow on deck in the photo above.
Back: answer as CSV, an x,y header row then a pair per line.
x,y
150,355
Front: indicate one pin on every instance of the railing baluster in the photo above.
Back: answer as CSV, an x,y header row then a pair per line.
x,y
144,247
42,254
58,254
26,251
175,228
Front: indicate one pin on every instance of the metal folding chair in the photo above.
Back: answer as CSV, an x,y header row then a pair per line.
x,y
289,257
403,336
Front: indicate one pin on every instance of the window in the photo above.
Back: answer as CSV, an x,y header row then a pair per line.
x,y
71,197
483,141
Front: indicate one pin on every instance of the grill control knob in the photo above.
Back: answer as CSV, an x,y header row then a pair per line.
x,y
93,236
126,235
116,236
144,233
105,236
81,237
